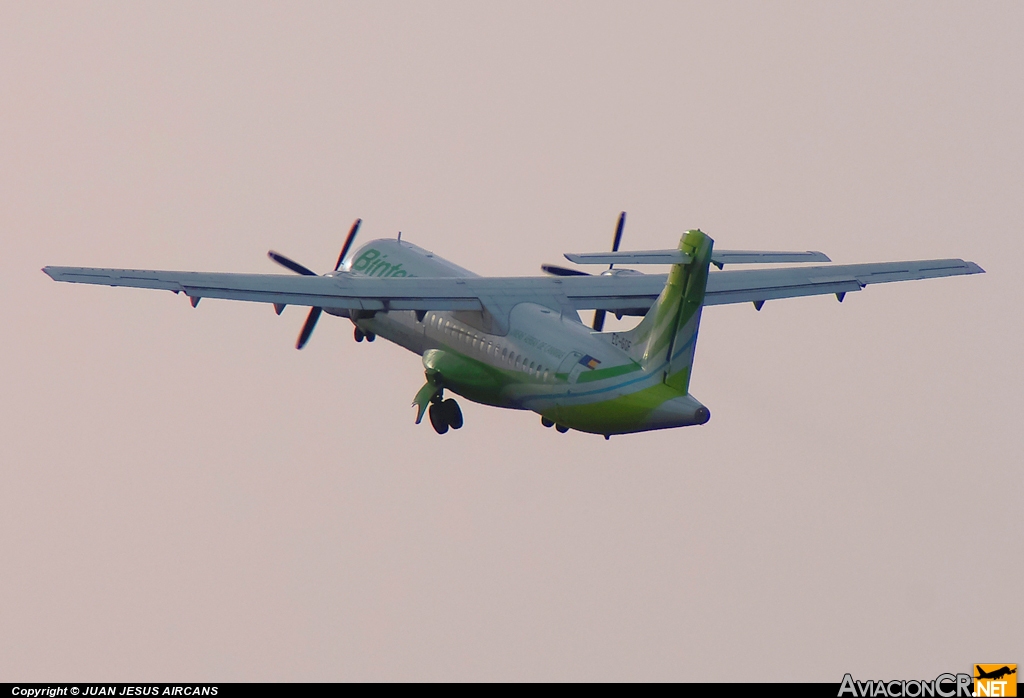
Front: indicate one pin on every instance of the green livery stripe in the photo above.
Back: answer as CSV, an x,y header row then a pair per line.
x,y
624,413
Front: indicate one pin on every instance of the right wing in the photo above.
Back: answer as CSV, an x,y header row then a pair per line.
x,y
752,285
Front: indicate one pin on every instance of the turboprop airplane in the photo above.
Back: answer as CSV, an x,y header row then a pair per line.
x,y
518,342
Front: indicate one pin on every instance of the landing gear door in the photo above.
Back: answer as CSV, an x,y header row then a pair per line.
x,y
572,366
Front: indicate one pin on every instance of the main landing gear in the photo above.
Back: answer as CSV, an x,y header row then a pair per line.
x,y
444,414
360,335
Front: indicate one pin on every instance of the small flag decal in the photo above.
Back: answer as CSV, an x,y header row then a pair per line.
x,y
589,361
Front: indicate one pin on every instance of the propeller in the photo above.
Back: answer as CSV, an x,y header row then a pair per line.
x,y
599,314
314,312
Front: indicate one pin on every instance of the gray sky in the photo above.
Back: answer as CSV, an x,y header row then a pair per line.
x,y
186,497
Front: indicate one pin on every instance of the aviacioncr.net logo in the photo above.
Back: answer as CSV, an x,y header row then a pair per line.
x,y
995,680
943,686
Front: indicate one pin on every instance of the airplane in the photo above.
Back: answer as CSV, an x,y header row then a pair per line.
x,y
996,674
519,342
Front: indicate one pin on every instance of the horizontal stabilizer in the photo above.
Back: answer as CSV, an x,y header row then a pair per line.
x,y
719,257
641,257
761,257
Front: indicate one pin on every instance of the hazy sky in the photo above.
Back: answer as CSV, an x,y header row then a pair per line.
x,y
186,497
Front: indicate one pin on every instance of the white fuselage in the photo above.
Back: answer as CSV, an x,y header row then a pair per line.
x,y
540,341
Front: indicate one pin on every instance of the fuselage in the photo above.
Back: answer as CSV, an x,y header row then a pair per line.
x,y
547,361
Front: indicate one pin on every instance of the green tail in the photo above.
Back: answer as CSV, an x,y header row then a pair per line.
x,y
666,337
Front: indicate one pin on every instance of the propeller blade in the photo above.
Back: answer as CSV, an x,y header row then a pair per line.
x,y
307,329
348,243
290,264
614,245
599,320
618,232
561,271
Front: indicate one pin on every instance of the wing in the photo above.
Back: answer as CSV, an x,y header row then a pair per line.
x,y
343,291
768,284
358,292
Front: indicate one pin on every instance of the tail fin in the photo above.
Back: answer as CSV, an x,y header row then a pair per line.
x,y
666,337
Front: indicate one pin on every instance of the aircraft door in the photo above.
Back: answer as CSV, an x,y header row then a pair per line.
x,y
571,365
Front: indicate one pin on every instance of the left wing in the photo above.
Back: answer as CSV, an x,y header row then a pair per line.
x,y
498,295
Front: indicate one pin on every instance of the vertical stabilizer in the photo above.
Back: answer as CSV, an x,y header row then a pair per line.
x,y
665,339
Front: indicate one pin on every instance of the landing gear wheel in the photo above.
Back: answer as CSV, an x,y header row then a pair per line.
x,y
453,413
546,422
561,429
370,336
438,418
358,335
